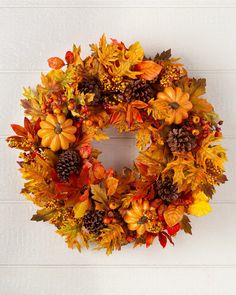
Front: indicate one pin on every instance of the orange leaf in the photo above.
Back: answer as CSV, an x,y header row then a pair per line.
x,y
173,215
111,185
19,130
55,63
99,171
149,69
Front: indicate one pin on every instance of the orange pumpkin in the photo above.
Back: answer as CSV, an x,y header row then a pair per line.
x,y
178,104
142,217
57,132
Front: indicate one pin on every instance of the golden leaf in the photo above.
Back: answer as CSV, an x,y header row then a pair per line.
x,y
111,238
80,208
200,206
143,137
111,185
99,194
215,153
173,215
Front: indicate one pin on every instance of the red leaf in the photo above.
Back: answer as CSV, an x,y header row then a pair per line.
x,y
19,130
168,237
84,196
162,239
55,63
149,239
28,126
85,151
173,230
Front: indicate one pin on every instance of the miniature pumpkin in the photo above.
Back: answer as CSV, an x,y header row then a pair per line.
x,y
177,103
140,217
57,132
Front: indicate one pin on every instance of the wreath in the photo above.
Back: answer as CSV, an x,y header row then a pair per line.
x,y
179,161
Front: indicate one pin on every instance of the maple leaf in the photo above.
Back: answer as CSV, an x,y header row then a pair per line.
x,y
31,104
111,238
214,153
185,225
99,194
151,161
74,235
106,53
44,214
158,109
165,55
143,137
76,54
196,88
39,179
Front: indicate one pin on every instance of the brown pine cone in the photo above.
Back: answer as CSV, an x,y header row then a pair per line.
x,y
180,140
92,85
68,163
93,221
138,90
166,190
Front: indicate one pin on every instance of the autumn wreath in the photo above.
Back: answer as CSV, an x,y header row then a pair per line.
x,y
178,165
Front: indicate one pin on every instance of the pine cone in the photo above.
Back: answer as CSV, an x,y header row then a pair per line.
x,y
166,190
93,221
138,90
92,85
180,140
68,163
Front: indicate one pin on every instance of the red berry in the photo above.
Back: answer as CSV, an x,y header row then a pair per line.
x,y
69,57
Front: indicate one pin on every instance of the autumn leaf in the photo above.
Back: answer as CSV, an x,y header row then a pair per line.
x,y
111,185
143,137
99,171
173,215
149,69
55,63
99,194
214,153
200,206
80,208
185,225
44,214
111,238
196,88
165,55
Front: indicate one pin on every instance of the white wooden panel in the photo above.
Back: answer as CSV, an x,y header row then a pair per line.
x,y
203,37
117,281
117,3
30,243
221,89
117,153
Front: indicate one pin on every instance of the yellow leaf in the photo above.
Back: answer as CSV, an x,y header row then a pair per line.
x,y
111,185
81,208
200,206
173,215
99,194
142,138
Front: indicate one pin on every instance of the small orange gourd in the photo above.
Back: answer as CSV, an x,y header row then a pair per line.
x,y
57,132
178,104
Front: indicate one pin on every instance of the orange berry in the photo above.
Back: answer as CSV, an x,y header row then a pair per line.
x,y
57,111
107,220
64,98
71,107
113,205
88,123
114,220
195,132
196,119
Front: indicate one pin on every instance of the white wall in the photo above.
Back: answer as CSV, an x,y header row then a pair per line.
x,y
34,260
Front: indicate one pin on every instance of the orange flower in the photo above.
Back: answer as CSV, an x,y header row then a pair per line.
x,y
176,104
